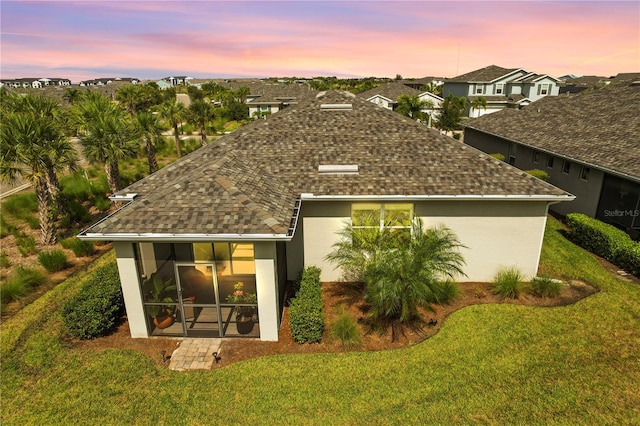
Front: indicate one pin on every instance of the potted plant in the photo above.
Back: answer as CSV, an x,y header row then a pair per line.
x,y
244,314
157,290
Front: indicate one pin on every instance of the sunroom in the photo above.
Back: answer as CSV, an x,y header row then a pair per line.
x,y
202,289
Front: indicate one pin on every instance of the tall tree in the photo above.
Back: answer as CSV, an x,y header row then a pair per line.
x,y
108,135
129,96
479,103
150,132
33,147
174,112
451,113
199,113
413,106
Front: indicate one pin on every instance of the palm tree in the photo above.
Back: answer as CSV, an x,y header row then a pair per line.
x,y
401,273
33,146
479,103
412,106
174,112
413,275
200,112
108,135
150,132
129,96
360,244
72,95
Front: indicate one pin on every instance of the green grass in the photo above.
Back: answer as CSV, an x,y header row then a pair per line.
x,y
489,364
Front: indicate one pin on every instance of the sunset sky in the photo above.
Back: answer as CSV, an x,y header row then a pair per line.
x,y
211,39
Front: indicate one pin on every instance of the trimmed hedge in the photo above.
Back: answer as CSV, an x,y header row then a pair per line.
x,y
98,306
540,174
605,240
305,313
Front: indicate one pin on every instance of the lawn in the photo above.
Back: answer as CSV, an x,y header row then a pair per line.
x,y
490,364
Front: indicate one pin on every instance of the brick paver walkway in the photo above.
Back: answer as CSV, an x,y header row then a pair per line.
x,y
194,354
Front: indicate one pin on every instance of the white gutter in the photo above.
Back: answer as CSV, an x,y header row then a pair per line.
x,y
548,198
151,236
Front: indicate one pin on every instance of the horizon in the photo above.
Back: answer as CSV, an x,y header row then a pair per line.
x,y
151,40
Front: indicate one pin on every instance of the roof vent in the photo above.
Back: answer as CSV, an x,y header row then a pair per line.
x,y
338,169
126,197
336,107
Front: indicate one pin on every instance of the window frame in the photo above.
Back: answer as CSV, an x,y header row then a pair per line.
x,y
584,173
566,167
382,208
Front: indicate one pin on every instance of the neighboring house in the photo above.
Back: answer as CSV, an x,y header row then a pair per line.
x,y
571,84
270,198
421,83
109,80
34,83
267,98
386,96
500,87
587,143
181,79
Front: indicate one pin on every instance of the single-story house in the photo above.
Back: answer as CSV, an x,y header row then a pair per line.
x,y
245,214
586,142
386,96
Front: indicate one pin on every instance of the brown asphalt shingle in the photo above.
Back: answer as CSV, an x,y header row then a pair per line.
x,y
247,182
598,127
483,75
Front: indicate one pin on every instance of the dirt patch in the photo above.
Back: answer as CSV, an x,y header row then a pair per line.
x,y
349,296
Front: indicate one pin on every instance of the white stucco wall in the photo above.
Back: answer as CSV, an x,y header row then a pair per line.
x,y
131,288
267,289
495,233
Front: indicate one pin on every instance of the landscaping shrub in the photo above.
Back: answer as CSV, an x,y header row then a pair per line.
x,y
79,247
20,205
605,240
97,307
447,291
102,203
305,313
345,329
6,228
545,287
52,261
508,282
4,259
26,244
21,283
540,174
498,156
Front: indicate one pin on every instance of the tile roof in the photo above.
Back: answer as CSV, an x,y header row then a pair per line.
x,y
483,75
247,182
391,90
596,127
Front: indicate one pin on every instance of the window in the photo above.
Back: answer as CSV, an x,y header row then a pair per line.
x,y
397,217
536,157
479,89
499,89
566,167
550,161
584,173
234,258
544,89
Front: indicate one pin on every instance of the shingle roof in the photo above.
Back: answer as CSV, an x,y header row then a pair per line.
x,y
247,182
483,75
598,127
391,90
